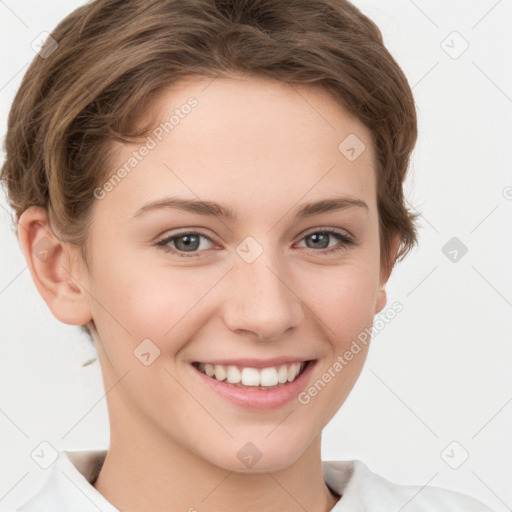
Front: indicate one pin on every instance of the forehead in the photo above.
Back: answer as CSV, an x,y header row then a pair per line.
x,y
247,141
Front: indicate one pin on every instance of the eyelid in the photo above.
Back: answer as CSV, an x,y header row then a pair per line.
x,y
186,231
340,231
163,240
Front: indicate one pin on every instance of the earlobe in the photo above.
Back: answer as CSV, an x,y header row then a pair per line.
x,y
381,300
50,264
385,273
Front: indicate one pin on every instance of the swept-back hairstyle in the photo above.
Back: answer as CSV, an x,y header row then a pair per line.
x,y
113,56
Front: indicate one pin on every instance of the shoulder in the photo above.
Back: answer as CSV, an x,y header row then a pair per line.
x,y
364,490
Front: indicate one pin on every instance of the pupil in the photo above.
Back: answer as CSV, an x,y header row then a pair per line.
x,y
190,242
319,237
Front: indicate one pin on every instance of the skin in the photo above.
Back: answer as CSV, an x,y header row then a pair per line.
x,y
262,148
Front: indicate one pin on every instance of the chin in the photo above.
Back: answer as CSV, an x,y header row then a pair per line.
x,y
247,457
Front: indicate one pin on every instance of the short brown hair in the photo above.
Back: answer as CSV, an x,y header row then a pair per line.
x,y
113,56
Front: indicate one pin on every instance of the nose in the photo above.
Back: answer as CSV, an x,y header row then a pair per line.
x,y
262,298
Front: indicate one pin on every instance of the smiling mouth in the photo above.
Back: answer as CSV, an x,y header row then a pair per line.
x,y
268,378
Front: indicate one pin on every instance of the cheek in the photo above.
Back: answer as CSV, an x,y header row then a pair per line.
x,y
345,311
343,298
157,302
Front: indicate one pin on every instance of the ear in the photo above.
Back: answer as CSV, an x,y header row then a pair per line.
x,y
55,272
385,272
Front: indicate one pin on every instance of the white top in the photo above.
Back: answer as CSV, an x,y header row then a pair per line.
x,y
69,487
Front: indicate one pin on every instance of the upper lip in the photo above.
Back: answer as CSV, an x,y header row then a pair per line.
x,y
256,363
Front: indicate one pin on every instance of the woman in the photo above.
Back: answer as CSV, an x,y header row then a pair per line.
x,y
213,190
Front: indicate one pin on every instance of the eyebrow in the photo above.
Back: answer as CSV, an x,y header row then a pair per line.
x,y
211,208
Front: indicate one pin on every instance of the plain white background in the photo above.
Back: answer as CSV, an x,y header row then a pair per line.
x,y
438,373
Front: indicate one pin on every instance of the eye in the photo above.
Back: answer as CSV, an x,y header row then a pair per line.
x,y
320,239
183,242
190,242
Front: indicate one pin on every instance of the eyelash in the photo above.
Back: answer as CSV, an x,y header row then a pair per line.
x,y
345,239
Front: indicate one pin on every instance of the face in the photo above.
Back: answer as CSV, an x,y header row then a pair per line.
x,y
254,291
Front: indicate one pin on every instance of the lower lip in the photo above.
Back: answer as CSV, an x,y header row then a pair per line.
x,y
259,399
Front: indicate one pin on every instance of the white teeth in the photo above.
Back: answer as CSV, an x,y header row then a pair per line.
x,y
282,375
220,372
250,377
268,377
265,377
293,371
233,375
210,370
